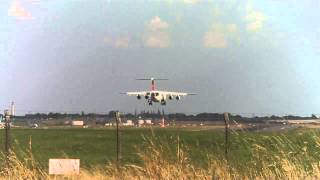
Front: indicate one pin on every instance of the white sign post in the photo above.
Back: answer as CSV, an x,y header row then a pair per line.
x,y
64,166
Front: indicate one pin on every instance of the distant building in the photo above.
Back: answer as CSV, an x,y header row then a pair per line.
x,y
2,125
303,121
128,123
148,122
12,111
108,124
140,122
77,123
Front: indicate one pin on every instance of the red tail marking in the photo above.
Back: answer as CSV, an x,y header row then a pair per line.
x,y
153,86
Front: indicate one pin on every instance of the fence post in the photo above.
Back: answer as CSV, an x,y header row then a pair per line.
x,y
7,136
226,121
118,137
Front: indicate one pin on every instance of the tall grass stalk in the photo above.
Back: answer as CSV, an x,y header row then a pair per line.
x,y
270,157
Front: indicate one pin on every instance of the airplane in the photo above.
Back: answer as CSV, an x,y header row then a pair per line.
x,y
157,96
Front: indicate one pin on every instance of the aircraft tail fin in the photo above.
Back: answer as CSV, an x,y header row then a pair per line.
x,y
153,85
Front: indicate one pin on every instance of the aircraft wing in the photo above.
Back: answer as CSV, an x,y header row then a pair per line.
x,y
168,93
141,93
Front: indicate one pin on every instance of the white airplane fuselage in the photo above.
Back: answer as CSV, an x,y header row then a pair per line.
x,y
156,96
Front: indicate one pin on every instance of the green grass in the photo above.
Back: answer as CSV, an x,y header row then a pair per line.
x,y
95,147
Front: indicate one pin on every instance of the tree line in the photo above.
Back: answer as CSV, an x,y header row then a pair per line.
x,y
158,115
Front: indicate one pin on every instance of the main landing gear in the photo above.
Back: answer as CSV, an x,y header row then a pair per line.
x,y
163,102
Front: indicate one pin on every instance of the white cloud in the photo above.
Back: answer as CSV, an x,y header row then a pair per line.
x,y
33,1
18,11
118,42
190,1
219,35
122,42
157,40
156,24
157,35
255,20
215,40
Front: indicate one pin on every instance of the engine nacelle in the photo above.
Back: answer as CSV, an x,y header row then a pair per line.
x,y
147,97
178,98
170,97
138,97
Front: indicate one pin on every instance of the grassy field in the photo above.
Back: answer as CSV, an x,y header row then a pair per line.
x,y
247,150
97,146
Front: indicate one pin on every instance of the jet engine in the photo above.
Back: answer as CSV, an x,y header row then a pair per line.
x,y
138,97
170,97
163,102
147,97
177,97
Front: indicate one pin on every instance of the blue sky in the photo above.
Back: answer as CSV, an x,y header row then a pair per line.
x,y
239,56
